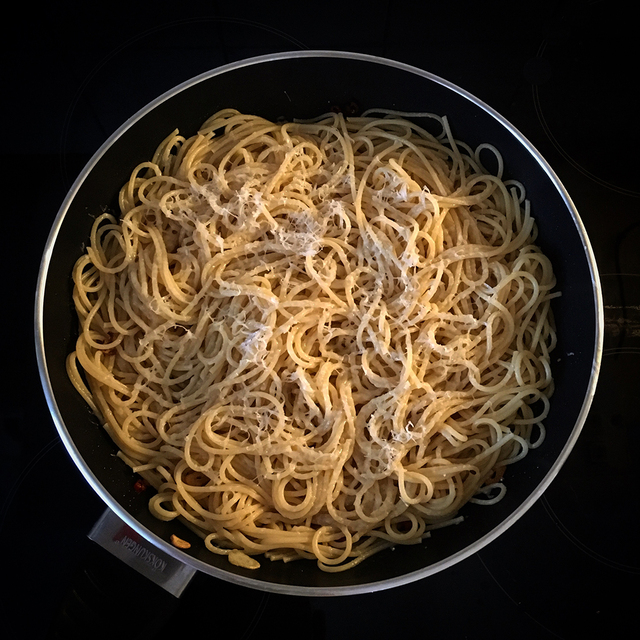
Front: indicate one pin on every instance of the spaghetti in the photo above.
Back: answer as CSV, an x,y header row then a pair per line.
x,y
317,339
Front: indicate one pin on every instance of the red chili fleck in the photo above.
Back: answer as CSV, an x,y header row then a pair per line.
x,y
140,485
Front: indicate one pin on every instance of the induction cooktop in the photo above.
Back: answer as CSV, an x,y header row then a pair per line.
x,y
562,73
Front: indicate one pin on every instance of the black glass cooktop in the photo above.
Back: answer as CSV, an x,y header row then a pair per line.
x,y
562,73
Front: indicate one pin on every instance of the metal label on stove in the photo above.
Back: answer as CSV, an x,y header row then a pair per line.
x,y
119,539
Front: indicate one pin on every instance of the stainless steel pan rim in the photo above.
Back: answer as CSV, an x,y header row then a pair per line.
x,y
241,580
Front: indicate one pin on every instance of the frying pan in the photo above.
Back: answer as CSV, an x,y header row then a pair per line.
x,y
303,85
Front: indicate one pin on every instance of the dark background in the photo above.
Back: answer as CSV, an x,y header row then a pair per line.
x,y
562,72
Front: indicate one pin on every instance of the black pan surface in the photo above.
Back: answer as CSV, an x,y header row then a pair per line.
x,y
300,85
